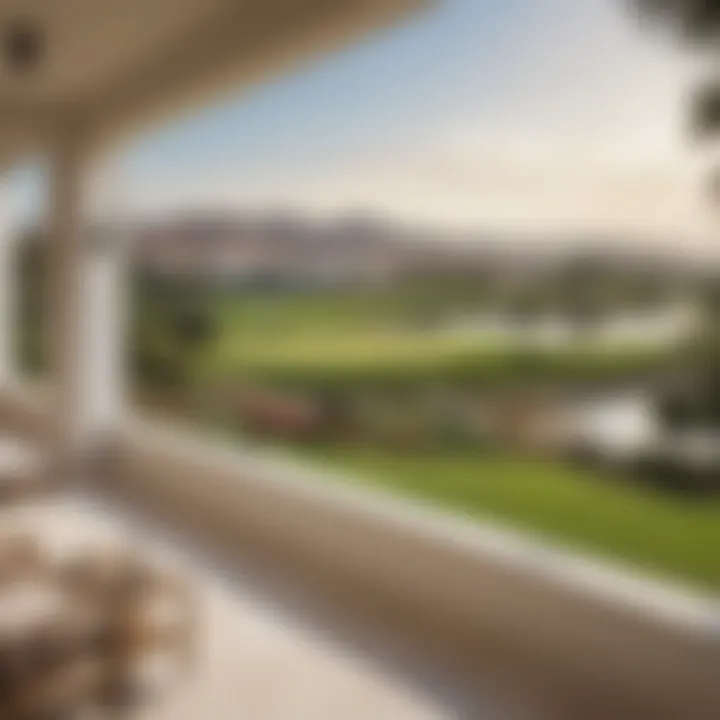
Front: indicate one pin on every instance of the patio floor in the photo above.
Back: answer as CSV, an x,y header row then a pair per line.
x,y
253,662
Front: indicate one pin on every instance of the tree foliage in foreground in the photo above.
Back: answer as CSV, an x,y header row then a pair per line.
x,y
697,21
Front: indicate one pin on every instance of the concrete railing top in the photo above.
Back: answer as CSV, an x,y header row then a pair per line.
x,y
661,600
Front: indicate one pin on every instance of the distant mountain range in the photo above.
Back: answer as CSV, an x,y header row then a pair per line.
x,y
292,248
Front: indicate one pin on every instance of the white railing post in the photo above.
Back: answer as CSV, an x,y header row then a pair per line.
x,y
86,305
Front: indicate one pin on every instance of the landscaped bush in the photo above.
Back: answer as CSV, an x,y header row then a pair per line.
x,y
271,415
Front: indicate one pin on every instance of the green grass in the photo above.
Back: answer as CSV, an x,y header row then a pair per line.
x,y
375,358
360,341
668,536
350,350
357,339
342,310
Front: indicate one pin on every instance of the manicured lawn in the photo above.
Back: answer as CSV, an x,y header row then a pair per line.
x,y
351,350
360,341
666,535
378,357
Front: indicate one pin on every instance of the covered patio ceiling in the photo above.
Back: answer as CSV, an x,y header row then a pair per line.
x,y
110,67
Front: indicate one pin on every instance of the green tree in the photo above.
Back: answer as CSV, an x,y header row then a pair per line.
x,y
173,328
697,22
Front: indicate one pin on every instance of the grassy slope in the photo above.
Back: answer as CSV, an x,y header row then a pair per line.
x,y
666,535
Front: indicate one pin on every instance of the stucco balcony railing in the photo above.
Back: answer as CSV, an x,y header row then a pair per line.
x,y
448,617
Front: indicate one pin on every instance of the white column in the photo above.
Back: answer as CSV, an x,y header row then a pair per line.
x,y
104,288
8,290
87,305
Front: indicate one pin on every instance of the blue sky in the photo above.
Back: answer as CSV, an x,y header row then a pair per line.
x,y
505,113
376,95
